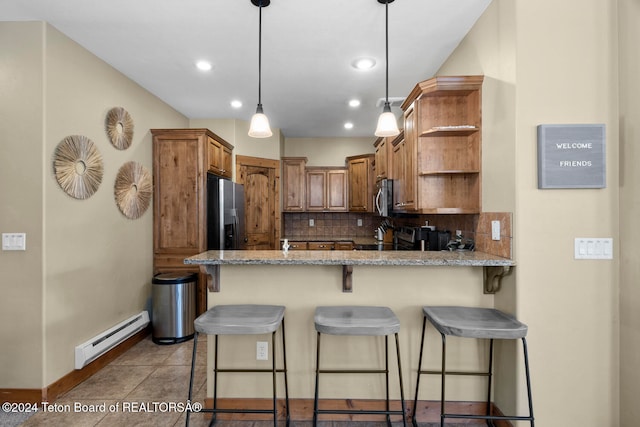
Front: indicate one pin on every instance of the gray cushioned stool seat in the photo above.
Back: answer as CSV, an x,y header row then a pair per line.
x,y
356,320
474,322
240,319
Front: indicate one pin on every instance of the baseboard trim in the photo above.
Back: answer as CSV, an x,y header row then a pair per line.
x,y
302,409
73,378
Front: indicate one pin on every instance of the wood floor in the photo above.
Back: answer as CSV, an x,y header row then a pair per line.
x,y
137,388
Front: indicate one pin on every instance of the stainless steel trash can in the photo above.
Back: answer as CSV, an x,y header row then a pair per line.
x,y
173,298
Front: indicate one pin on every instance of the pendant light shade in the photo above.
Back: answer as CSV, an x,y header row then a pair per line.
x,y
259,127
387,123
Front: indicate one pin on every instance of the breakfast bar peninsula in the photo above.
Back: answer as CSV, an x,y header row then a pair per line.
x,y
303,280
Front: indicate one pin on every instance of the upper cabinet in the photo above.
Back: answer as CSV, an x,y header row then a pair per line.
x,y
361,182
383,158
220,154
294,184
442,147
326,189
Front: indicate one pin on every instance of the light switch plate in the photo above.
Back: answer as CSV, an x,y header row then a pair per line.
x,y
593,248
14,241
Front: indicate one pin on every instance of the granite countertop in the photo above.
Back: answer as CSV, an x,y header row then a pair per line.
x,y
275,257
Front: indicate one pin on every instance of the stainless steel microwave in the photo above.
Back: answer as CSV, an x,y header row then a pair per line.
x,y
384,197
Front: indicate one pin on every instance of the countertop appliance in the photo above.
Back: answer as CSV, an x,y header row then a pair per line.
x,y
225,214
421,238
405,239
384,197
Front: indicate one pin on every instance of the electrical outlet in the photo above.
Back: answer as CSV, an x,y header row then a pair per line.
x,y
262,350
312,223
359,222
495,230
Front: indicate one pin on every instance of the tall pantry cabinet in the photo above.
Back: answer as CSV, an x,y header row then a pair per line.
x,y
181,160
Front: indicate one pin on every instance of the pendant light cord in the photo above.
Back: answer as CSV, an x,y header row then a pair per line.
x,y
386,42
260,57
386,32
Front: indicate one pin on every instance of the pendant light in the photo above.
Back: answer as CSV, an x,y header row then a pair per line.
x,y
387,123
259,127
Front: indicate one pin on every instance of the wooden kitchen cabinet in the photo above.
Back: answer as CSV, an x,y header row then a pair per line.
x,y
404,173
361,182
296,246
343,246
320,246
220,154
326,189
383,158
294,184
443,129
181,159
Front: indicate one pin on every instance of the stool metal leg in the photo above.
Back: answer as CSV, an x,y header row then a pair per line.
x,y
286,383
215,380
386,376
404,418
489,380
388,412
273,378
315,398
415,400
526,370
444,372
193,364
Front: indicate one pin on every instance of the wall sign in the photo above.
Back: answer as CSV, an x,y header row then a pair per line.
x,y
571,156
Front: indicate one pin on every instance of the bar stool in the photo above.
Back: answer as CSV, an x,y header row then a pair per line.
x,y
364,321
473,322
246,319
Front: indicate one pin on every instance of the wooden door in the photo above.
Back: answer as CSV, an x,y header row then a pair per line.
x,y
261,180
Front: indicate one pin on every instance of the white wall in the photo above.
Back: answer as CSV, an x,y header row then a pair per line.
x,y
561,67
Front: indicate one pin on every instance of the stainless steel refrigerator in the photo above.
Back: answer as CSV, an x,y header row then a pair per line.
x,y
225,214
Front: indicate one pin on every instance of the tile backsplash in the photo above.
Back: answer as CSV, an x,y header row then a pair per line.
x,y
345,224
329,224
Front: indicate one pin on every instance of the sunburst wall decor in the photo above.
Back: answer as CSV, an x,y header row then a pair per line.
x,y
77,165
133,189
119,126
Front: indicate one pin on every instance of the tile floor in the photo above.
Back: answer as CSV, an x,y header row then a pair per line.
x,y
146,374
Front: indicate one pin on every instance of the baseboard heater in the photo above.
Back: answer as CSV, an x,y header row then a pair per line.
x,y
92,349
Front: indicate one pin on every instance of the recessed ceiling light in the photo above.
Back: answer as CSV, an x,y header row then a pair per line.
x,y
203,65
354,103
363,63
348,125
236,104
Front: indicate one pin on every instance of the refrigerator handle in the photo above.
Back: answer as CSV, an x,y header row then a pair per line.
x,y
235,231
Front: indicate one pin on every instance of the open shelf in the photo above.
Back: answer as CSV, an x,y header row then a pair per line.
x,y
449,131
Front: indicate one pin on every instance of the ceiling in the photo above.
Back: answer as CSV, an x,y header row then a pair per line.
x,y
307,51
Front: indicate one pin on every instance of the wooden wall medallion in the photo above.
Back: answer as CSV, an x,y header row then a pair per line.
x,y
77,165
119,126
133,189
